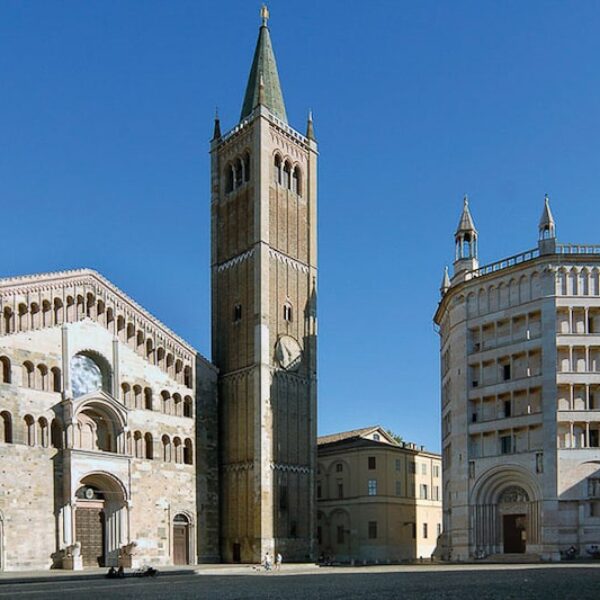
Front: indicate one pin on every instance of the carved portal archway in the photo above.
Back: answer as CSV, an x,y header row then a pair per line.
x,y
505,512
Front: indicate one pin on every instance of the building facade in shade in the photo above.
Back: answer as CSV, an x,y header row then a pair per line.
x,y
377,499
264,257
520,382
107,431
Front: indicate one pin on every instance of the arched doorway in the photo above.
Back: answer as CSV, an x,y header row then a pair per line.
x,y
181,540
100,520
506,513
513,506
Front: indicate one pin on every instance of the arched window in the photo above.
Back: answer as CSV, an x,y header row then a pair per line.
x,y
46,313
229,175
7,435
42,378
170,361
58,311
43,432
110,316
166,444
35,315
187,407
239,173
137,396
187,376
148,446
5,369
165,405
147,398
177,405
277,169
121,328
288,312
188,455
177,450
138,450
29,430
56,434
287,175
297,181
70,309
27,374
126,394
79,308
150,350
22,317
178,370
247,166
56,380
8,320
101,311
130,333
90,305
139,340
160,357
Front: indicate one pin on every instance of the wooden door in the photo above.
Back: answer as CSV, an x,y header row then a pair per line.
x,y
180,544
514,534
89,531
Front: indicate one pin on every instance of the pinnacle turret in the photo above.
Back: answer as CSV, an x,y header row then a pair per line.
x,y
465,240
445,282
547,226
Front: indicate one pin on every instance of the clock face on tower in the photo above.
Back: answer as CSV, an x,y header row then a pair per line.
x,y
288,353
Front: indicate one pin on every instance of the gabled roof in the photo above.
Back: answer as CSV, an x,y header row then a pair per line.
x,y
44,286
355,434
263,74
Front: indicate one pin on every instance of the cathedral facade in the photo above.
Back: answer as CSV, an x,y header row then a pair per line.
x,y
120,444
520,381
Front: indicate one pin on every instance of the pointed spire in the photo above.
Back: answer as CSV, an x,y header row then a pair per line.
x,y
466,225
310,129
445,282
217,128
264,64
547,226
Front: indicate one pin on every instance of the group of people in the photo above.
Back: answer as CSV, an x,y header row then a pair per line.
x,y
268,565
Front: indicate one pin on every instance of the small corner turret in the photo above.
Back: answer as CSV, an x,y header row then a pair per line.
x,y
547,230
445,286
465,238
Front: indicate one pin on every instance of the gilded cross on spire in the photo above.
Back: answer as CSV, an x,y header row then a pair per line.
x,y
264,14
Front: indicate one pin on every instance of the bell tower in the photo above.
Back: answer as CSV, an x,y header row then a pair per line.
x,y
264,325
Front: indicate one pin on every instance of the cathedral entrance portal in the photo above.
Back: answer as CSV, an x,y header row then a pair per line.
x,y
513,532
89,530
100,520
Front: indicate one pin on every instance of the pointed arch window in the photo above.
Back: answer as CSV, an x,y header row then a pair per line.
x,y
288,312
247,167
287,175
277,169
297,181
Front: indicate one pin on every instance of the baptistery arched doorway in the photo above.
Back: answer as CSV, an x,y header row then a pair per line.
x,y
506,513
100,519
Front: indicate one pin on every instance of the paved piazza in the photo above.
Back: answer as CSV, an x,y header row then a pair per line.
x,y
478,582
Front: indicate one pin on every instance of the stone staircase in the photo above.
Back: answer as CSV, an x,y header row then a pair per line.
x,y
511,558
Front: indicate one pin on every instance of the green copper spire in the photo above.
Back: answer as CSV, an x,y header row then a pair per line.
x,y
264,67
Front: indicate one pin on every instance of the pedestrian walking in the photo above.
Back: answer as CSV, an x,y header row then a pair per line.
x,y
267,562
278,561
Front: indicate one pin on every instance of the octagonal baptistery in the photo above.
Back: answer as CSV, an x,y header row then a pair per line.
x,y
107,429
520,399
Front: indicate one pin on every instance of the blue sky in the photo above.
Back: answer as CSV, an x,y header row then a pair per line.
x,y
106,111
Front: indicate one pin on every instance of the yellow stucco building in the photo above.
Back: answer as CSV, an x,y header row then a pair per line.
x,y
377,500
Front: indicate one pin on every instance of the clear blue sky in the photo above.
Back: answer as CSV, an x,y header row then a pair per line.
x,y
106,111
